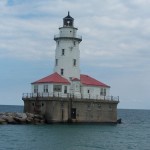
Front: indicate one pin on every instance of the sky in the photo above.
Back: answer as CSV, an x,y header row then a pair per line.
x,y
114,49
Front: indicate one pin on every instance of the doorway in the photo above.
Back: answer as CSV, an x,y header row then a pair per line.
x,y
73,113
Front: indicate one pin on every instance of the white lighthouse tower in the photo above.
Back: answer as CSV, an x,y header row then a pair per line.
x,y
67,54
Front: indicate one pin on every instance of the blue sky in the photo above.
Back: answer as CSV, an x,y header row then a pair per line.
x,y
114,50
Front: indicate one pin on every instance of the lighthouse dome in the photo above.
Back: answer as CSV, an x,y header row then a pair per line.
x,y
68,21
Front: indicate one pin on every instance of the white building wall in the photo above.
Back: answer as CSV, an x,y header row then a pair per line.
x,y
50,90
93,92
65,61
67,32
68,41
75,89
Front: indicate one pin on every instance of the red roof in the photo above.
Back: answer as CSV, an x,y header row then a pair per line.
x,y
87,80
84,79
53,78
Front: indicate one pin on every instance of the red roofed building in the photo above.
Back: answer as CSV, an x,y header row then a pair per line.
x,y
84,86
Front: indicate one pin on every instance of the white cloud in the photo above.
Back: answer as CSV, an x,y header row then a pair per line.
x,y
28,29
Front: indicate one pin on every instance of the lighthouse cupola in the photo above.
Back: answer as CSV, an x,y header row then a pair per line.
x,y
68,21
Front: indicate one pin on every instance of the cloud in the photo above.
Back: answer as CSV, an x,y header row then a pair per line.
x,y
111,33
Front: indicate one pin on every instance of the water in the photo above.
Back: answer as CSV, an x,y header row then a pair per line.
x,y
132,134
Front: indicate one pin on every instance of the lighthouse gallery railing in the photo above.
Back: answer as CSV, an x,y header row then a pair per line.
x,y
62,95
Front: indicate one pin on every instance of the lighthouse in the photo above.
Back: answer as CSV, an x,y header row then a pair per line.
x,y
67,95
67,53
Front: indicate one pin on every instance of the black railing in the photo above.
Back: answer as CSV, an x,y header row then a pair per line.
x,y
67,95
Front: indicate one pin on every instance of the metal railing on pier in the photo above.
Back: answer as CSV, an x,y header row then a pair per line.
x,y
67,95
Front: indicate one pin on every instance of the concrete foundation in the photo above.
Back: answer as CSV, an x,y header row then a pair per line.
x,y
73,110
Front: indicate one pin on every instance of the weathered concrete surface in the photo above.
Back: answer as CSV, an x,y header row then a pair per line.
x,y
21,118
58,110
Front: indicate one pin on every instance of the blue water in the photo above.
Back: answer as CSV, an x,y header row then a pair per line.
x,y
132,134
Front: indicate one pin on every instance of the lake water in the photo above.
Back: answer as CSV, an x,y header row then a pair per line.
x,y
132,134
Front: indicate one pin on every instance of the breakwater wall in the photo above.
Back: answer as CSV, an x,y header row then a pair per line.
x,y
21,118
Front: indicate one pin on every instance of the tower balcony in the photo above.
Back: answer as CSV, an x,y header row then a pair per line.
x,y
73,37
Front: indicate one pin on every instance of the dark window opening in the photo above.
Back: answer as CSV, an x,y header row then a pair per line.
x,y
57,88
103,92
45,89
68,22
62,71
73,113
74,62
63,52
35,88
65,89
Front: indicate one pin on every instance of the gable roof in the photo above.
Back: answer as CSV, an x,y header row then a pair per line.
x,y
53,78
87,80
84,79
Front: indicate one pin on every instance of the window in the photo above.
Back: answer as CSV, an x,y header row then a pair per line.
x,y
56,62
88,91
63,52
65,89
35,88
57,42
73,113
62,72
57,88
103,92
45,89
74,62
